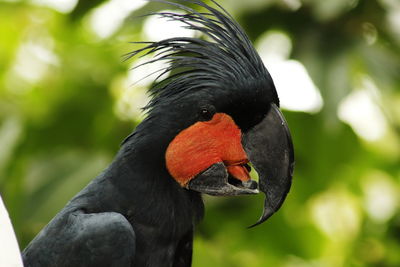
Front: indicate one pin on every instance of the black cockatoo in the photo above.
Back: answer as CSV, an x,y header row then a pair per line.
x,y
217,112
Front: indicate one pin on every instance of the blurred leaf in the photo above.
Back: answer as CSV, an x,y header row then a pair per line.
x,y
59,128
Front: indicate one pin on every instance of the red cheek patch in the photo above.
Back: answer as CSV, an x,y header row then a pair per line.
x,y
204,143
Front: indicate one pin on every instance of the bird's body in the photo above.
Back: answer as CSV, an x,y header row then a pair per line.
x,y
217,112
109,224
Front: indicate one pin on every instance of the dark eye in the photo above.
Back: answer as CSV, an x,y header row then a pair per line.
x,y
206,114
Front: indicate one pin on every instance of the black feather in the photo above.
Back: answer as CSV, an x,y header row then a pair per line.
x,y
225,60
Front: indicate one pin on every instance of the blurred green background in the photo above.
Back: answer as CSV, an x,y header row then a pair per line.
x,y
67,100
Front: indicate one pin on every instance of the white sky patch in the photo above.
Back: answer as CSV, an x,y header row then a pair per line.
x,y
145,75
130,100
63,6
33,60
393,20
292,4
108,17
336,214
296,90
274,46
392,16
157,28
132,90
9,250
360,111
381,196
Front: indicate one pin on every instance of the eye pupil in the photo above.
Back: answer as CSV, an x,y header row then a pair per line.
x,y
206,114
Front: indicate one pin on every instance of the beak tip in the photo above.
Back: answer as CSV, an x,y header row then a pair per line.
x,y
270,149
266,215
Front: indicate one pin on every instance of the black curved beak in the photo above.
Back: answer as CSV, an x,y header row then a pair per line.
x,y
269,148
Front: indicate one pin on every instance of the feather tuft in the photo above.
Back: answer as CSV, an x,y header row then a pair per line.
x,y
223,58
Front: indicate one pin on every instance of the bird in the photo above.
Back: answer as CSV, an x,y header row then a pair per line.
x,y
215,114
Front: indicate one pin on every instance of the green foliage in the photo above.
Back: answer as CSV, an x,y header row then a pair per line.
x,y
67,99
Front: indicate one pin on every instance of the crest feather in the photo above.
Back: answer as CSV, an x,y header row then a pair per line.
x,y
224,59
